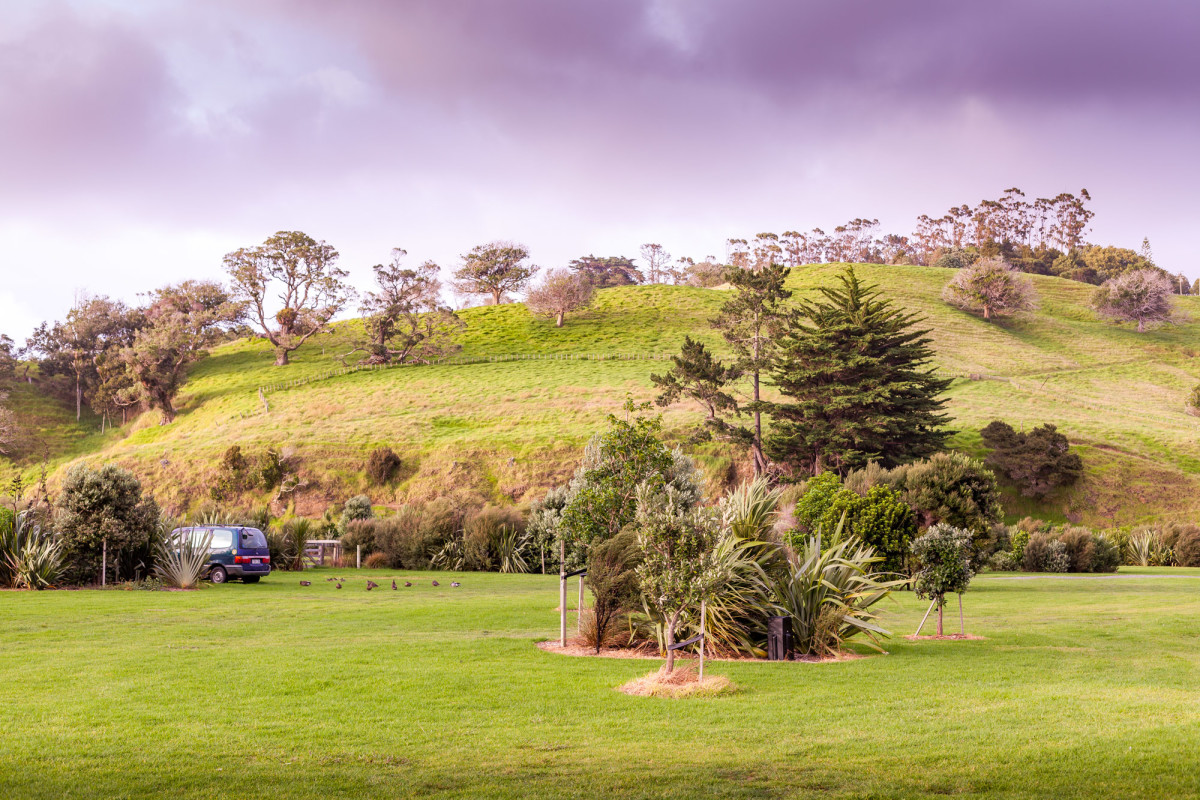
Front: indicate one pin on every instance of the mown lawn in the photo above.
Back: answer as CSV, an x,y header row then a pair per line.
x,y
1082,688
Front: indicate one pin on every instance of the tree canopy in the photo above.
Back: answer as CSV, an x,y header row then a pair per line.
x,y
857,383
494,270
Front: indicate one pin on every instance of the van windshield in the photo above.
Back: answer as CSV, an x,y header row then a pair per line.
x,y
252,537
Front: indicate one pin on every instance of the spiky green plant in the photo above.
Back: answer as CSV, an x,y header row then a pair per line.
x,y
30,557
749,512
1147,549
182,562
298,533
511,545
828,592
452,555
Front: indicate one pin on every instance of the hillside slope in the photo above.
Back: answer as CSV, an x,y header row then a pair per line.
x,y
504,431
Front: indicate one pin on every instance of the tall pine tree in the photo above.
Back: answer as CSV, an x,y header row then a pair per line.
x,y
751,321
855,376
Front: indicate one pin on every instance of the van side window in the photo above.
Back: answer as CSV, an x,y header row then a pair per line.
x,y
222,539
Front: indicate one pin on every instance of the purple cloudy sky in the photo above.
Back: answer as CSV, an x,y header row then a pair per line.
x,y
142,139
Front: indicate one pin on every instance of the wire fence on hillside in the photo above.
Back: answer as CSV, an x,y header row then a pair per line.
x,y
266,389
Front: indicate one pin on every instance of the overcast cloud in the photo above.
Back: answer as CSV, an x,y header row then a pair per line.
x,y
143,140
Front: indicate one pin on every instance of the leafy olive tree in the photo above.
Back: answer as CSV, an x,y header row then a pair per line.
x,y
990,286
560,293
943,554
494,269
1142,296
677,540
310,287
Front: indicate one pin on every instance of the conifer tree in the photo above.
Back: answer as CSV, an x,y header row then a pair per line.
x,y
854,371
751,321
697,374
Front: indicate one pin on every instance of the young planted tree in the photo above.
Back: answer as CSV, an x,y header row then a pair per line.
x,y
1142,296
102,505
1038,461
991,287
856,376
562,292
751,321
602,497
943,554
183,321
612,577
405,318
697,375
677,571
494,270
657,259
310,287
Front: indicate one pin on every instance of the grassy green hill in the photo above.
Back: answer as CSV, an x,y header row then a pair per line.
x,y
1117,394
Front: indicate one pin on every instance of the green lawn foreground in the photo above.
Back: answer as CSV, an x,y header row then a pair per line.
x,y
1082,688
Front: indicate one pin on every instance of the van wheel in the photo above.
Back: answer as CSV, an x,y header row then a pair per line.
x,y
251,579
218,575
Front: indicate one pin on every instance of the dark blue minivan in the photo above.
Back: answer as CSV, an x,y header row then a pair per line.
x,y
233,552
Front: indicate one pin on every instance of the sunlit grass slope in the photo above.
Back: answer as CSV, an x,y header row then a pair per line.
x,y
1116,393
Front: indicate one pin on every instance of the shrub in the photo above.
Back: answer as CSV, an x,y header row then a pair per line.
x,y
102,504
612,577
495,538
1045,553
1037,462
952,488
413,535
1187,549
382,465
1107,556
1142,296
943,555
356,508
271,469
377,561
990,286
31,557
361,533
1003,561
1192,404
542,527
1080,548
1020,538
881,518
956,258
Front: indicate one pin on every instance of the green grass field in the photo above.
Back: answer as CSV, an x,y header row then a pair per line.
x,y
1118,395
1083,687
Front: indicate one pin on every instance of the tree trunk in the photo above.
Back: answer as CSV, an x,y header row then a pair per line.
x,y
987,312
497,295
168,409
1141,326
940,607
559,321
760,461
671,623
78,398
281,357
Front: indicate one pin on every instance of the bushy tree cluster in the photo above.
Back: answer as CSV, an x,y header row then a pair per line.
x,y
1038,461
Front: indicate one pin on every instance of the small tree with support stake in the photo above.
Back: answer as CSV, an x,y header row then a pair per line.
x,y
677,568
944,555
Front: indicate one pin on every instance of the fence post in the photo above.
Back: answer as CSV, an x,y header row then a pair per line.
x,y
703,609
104,562
358,557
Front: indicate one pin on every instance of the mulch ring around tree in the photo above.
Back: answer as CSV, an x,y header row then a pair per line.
x,y
681,683
649,650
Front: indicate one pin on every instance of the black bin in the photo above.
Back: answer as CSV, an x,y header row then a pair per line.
x,y
779,638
